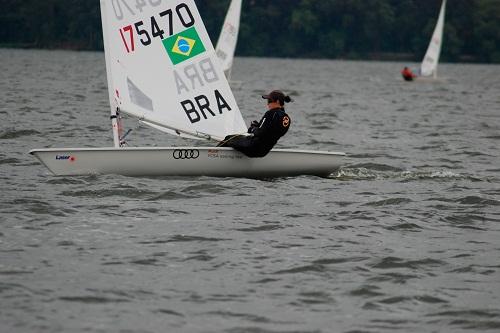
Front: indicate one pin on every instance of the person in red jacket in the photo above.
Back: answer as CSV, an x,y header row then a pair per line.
x,y
408,75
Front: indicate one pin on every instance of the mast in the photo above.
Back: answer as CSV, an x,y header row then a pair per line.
x,y
115,121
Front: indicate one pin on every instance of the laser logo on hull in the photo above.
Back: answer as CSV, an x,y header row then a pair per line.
x,y
65,158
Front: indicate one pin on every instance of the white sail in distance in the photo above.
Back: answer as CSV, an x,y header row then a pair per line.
x,y
431,58
226,45
162,68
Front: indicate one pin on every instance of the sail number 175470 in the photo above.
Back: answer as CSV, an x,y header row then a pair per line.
x,y
156,27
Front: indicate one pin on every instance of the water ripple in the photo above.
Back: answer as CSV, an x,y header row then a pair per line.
x,y
171,195
104,193
330,261
405,226
478,319
366,291
395,262
9,161
478,201
92,299
388,202
183,238
14,134
244,316
303,269
263,227
169,312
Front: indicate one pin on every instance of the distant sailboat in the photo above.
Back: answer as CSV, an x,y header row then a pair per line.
x,y
226,45
431,59
428,67
162,69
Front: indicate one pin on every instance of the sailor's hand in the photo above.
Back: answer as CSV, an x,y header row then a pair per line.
x,y
253,126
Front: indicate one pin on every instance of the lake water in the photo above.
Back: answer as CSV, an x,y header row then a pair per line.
x,y
404,238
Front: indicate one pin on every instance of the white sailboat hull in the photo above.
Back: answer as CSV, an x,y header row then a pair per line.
x,y
187,161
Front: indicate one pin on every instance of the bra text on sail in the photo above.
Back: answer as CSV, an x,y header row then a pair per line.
x,y
201,105
195,76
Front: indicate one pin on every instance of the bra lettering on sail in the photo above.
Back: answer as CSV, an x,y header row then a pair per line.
x,y
195,75
203,104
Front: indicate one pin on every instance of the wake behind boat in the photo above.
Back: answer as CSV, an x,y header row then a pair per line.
x,y
162,69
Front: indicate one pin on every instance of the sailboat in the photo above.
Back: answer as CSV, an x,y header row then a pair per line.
x,y
162,69
431,59
226,44
428,67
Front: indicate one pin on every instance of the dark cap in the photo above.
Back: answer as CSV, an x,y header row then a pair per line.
x,y
277,95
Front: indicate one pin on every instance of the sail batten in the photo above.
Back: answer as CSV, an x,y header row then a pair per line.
x,y
162,68
431,58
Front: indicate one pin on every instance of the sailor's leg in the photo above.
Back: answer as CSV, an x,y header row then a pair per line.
x,y
229,140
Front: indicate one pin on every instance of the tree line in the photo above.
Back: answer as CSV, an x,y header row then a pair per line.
x,y
349,29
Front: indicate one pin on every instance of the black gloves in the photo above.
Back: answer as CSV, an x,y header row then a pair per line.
x,y
253,126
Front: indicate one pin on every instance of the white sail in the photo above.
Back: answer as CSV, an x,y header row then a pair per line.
x,y
162,68
431,58
226,45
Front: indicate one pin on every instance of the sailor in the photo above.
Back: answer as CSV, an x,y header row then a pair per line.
x,y
408,75
263,135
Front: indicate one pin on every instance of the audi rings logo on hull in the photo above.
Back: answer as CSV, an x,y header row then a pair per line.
x,y
186,154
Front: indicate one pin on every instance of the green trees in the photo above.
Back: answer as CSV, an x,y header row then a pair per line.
x,y
371,29
486,32
51,24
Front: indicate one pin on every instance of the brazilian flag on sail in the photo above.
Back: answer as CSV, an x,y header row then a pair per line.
x,y
183,46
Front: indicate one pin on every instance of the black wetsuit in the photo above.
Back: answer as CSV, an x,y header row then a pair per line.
x,y
273,125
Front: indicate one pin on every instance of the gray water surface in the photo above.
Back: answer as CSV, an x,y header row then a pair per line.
x,y
404,238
